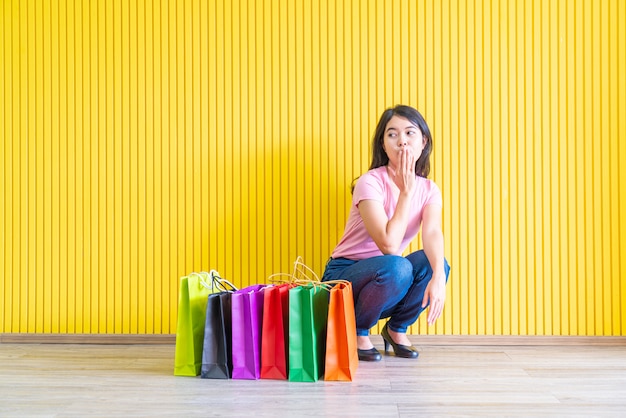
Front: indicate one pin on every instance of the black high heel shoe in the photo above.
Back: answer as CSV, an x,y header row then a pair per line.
x,y
369,355
404,351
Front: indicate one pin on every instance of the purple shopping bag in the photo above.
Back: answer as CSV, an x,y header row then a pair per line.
x,y
247,322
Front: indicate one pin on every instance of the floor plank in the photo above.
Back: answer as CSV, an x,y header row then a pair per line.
x,y
65,380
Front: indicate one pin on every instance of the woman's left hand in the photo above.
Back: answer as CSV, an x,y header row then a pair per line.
x,y
435,295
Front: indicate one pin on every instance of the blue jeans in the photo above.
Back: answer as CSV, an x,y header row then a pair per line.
x,y
387,286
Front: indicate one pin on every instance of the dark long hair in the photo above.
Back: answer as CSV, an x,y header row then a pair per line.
x,y
379,156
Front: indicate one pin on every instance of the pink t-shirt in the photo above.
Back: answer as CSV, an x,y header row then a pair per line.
x,y
356,243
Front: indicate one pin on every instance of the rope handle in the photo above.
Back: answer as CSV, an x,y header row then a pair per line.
x,y
299,275
281,280
300,267
213,280
222,284
303,275
202,277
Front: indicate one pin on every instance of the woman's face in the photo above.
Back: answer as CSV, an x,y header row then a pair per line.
x,y
401,134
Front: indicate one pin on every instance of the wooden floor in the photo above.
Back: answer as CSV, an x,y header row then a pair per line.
x,y
60,380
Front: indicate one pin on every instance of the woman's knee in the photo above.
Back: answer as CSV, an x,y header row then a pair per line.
x,y
397,269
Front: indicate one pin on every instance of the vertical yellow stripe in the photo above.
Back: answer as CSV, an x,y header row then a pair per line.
x,y
153,173
147,305
204,138
571,208
130,173
83,238
19,176
6,154
232,146
604,300
494,217
195,118
26,177
19,155
138,280
561,271
62,160
127,143
620,109
518,160
481,66
29,315
5,297
585,316
210,199
592,279
55,205
162,132
72,117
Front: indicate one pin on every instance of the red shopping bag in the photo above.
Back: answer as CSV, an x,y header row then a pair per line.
x,y
275,341
342,358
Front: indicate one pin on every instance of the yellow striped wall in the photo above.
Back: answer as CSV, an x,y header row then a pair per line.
x,y
143,140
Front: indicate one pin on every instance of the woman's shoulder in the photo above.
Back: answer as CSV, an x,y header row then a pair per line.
x,y
371,181
378,173
375,176
428,191
427,184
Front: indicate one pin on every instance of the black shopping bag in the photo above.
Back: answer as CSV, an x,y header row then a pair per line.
x,y
217,360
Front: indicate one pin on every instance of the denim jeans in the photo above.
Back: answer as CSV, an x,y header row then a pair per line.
x,y
386,286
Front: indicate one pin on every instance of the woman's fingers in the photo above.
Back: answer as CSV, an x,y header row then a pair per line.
x,y
406,160
434,311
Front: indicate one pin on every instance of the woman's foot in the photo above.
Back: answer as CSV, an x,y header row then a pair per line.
x,y
364,342
366,350
399,338
400,349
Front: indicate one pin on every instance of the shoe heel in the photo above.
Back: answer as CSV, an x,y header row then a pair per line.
x,y
386,345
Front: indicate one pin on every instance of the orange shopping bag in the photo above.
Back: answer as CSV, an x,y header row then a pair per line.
x,y
342,358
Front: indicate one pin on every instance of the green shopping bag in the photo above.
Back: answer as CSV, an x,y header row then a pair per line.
x,y
192,301
308,312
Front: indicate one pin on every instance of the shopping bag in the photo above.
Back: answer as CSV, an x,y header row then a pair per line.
x,y
247,321
275,332
217,360
308,310
192,299
342,358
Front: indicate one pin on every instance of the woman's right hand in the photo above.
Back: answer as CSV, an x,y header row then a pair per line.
x,y
403,175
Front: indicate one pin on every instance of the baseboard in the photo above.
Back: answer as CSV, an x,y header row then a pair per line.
x,y
521,340
440,340
20,338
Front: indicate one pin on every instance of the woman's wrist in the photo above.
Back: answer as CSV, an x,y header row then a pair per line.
x,y
439,275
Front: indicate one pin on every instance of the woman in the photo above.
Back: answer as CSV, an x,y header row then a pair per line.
x,y
389,204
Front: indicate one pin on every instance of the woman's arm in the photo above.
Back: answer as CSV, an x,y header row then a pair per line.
x,y
386,233
432,240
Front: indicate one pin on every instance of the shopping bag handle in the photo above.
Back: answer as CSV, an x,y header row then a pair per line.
x,y
303,275
291,278
303,269
298,276
202,276
220,283
213,280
